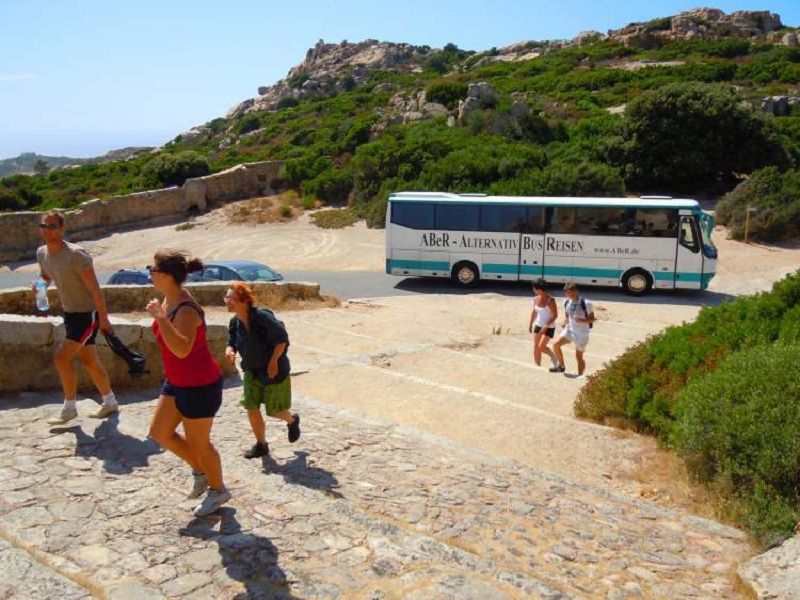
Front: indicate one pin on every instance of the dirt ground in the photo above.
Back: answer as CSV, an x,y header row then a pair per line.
x,y
459,366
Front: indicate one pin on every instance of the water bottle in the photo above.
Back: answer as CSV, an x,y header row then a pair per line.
x,y
41,295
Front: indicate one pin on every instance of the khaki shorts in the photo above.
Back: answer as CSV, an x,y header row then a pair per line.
x,y
276,397
579,338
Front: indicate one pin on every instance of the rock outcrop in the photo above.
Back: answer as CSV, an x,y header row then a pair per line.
x,y
330,68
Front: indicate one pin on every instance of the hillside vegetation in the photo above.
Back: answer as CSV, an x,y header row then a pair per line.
x,y
692,125
724,392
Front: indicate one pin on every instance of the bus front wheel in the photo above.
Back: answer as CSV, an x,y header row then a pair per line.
x,y
465,274
637,282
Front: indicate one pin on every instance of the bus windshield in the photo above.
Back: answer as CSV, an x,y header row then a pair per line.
x,y
706,227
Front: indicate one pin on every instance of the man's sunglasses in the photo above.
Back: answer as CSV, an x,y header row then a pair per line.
x,y
50,226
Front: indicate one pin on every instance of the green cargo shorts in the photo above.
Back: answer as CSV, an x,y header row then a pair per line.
x,y
275,397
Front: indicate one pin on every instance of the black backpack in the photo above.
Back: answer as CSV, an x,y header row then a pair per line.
x,y
582,300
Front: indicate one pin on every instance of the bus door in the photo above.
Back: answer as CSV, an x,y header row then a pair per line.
x,y
689,255
531,245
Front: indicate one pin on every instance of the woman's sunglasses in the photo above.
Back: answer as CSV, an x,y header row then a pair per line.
x,y
152,269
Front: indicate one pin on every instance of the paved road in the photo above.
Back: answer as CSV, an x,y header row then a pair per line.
x,y
347,285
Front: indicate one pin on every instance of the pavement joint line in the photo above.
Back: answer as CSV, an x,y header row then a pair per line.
x,y
486,397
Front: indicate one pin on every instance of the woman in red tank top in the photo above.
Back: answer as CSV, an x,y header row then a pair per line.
x,y
192,390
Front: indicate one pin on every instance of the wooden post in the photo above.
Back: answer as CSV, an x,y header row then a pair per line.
x,y
746,223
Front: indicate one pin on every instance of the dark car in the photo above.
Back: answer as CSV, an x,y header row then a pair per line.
x,y
235,270
130,277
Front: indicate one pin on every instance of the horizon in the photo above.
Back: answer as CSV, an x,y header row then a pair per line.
x,y
105,77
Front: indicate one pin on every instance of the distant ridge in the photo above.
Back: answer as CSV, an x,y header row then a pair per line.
x,y
24,164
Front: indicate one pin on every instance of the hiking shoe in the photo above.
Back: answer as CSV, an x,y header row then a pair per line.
x,y
104,411
65,416
212,502
257,450
199,485
558,369
294,429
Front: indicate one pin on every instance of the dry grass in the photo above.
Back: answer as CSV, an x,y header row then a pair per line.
x,y
270,209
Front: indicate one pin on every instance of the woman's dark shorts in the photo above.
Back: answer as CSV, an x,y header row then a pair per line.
x,y
549,332
81,327
201,402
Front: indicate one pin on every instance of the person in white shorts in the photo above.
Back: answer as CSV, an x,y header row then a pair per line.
x,y
578,319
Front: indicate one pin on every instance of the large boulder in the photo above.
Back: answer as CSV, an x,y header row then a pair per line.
x,y
483,92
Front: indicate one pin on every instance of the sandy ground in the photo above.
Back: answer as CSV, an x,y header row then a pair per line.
x,y
438,363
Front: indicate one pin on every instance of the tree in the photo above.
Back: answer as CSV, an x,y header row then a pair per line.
x,y
41,167
690,136
173,169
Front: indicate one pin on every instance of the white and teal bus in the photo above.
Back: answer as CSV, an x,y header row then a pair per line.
x,y
637,243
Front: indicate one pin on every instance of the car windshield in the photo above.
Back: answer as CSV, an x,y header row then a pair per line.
x,y
256,274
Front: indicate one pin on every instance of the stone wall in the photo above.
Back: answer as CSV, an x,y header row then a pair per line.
x,y
19,234
27,346
28,342
133,298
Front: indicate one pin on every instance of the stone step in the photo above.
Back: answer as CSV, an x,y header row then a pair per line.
x,y
359,507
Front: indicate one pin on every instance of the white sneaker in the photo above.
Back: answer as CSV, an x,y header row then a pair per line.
x,y
199,485
212,502
104,411
64,416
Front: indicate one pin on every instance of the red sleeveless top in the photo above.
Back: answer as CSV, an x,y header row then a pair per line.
x,y
196,368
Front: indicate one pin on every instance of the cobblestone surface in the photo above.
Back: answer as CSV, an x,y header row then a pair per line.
x,y
358,508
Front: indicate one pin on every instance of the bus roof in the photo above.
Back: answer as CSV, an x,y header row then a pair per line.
x,y
447,198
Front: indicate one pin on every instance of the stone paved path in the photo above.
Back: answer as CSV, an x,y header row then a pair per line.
x,y
358,508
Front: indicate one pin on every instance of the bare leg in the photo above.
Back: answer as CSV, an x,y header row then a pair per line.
x,y
257,424
162,430
557,349
581,362
543,347
537,352
284,415
92,364
198,437
63,362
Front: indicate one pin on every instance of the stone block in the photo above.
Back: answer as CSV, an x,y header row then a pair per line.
x,y
26,330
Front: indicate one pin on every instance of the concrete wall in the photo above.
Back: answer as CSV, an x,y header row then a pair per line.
x,y
27,342
19,234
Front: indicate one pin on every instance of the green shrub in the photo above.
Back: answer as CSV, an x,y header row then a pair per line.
x,y
689,135
249,122
774,200
741,425
447,93
332,186
334,218
173,169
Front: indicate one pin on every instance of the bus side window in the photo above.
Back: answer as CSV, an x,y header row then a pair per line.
x,y
688,238
560,219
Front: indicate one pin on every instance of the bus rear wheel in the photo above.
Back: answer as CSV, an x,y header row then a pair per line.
x,y
465,274
637,282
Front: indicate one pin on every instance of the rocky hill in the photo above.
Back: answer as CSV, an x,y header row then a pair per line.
x,y
26,163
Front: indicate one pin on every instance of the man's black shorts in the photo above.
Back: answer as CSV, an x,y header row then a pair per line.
x,y
82,327
201,402
549,332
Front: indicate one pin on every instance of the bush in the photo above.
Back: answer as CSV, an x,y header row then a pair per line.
x,y
447,93
689,135
174,169
775,202
334,218
740,426
249,122
332,186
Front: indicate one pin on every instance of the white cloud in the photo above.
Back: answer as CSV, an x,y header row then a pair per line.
x,y
17,77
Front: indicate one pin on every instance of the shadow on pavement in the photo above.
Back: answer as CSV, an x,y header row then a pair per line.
x,y
246,557
121,453
425,285
297,472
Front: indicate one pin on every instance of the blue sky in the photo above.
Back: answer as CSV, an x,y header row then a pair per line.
x,y
82,77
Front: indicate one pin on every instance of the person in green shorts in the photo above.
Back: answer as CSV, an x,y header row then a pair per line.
x,y
261,341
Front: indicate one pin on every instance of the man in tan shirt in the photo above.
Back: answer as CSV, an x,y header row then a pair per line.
x,y
70,267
